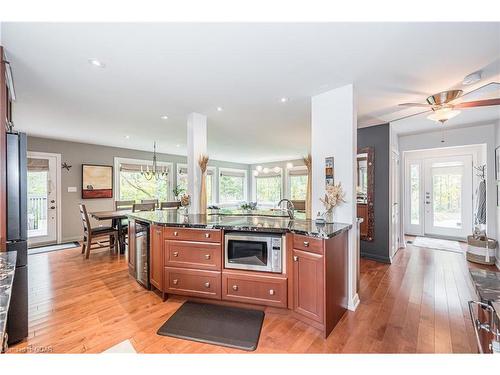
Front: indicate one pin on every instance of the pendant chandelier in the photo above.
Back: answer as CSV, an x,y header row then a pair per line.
x,y
155,171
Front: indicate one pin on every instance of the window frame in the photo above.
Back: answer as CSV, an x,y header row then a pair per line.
x,y
245,185
288,179
116,173
272,174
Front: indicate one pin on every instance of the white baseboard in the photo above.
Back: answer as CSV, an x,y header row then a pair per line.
x,y
353,303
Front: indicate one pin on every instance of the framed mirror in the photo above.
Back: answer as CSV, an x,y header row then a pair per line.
x,y
365,193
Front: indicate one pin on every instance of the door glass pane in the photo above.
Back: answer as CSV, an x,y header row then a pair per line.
x,y
38,177
415,194
447,195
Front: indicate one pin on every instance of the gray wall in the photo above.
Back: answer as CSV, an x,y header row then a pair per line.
x,y
76,154
378,137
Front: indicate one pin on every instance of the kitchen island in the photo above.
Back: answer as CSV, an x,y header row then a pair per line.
x,y
7,270
187,253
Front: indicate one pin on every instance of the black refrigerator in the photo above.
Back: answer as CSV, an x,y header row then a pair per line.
x,y
17,234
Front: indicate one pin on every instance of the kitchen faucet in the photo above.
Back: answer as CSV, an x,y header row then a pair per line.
x,y
289,207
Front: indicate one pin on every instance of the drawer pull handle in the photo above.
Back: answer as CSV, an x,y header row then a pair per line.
x,y
175,281
295,258
176,234
306,244
207,235
175,253
207,285
207,256
235,287
272,292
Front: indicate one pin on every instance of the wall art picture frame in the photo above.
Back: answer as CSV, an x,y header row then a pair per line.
x,y
497,163
329,171
97,181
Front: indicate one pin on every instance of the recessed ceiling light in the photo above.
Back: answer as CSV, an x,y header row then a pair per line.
x,y
96,63
259,168
289,165
164,117
283,100
127,137
219,109
177,145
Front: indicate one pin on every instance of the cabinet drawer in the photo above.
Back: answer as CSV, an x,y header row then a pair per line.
x,y
189,234
196,283
310,244
196,255
258,289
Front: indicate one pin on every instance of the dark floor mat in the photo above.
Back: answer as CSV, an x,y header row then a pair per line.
x,y
214,324
55,247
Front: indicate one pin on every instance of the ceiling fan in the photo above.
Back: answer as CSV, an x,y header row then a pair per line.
x,y
445,105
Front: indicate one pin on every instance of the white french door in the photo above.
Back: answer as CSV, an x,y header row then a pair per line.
x,y
43,197
448,196
439,197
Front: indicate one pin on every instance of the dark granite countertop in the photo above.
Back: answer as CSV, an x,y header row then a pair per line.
x,y
7,270
243,223
488,287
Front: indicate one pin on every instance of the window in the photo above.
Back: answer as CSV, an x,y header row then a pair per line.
x,y
297,183
232,185
182,179
414,194
268,187
132,185
210,182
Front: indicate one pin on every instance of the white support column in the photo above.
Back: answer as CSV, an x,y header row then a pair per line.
x,y
333,133
196,146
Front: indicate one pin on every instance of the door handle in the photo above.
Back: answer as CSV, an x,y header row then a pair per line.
x,y
52,207
175,281
52,201
306,244
272,292
295,258
207,285
235,287
175,253
207,256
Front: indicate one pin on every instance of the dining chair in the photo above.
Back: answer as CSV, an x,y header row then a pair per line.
x,y
91,236
173,204
143,207
123,205
147,201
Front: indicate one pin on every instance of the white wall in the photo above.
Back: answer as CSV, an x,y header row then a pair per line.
x,y
334,133
474,135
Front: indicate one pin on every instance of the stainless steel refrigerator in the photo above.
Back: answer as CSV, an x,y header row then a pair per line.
x,y
17,234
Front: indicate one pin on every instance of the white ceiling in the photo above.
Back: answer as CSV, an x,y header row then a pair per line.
x,y
175,69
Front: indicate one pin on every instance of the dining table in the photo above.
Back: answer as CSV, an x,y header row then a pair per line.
x,y
116,217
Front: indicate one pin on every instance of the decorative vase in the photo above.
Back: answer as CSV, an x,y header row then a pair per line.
x,y
328,215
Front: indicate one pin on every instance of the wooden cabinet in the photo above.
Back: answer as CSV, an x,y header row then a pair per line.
x,y
308,285
362,211
254,288
190,234
197,255
196,283
309,244
156,257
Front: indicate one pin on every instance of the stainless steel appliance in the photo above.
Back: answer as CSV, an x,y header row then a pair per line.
x,y
486,327
17,234
254,251
142,253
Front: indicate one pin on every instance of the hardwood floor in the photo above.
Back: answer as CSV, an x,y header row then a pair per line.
x,y
416,305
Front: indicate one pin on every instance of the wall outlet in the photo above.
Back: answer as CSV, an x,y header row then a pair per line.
x,y
71,189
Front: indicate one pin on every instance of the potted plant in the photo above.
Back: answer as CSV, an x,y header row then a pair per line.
x,y
178,191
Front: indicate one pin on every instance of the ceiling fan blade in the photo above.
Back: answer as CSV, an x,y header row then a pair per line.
x,y
478,103
415,105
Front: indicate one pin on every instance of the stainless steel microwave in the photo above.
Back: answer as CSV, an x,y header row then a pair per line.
x,y
254,251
